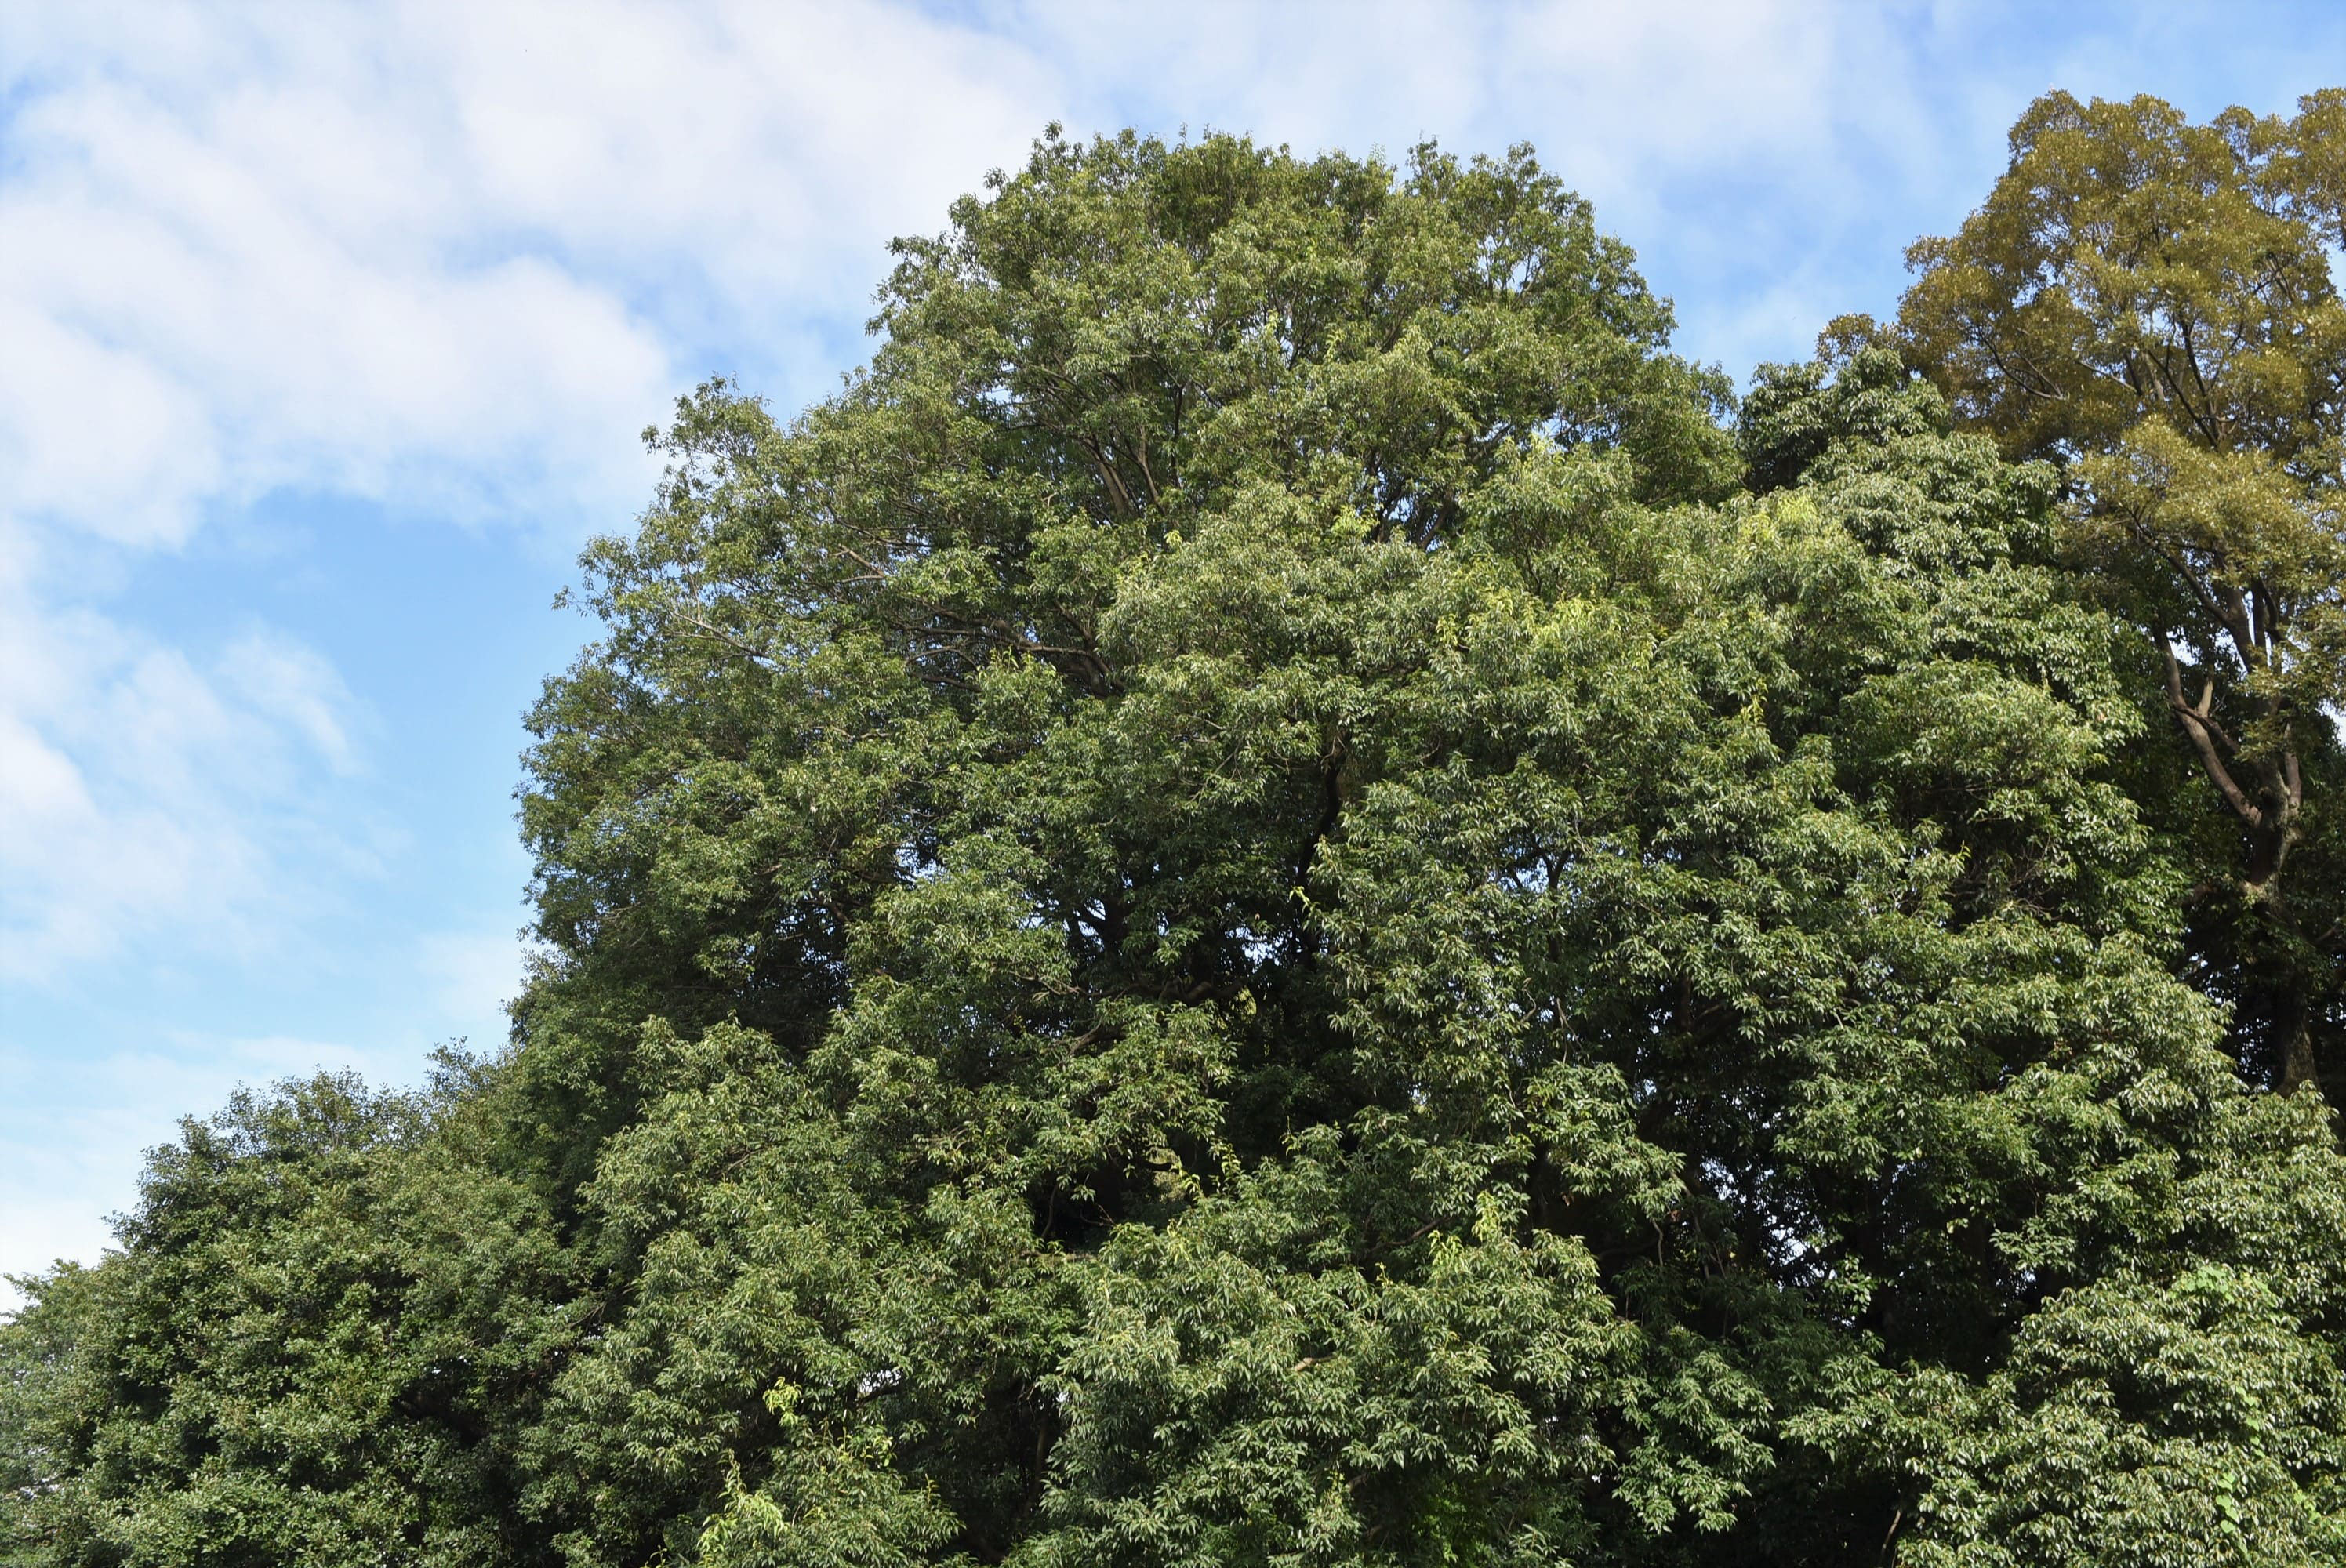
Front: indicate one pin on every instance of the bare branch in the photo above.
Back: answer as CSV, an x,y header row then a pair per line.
x,y
2202,728
704,631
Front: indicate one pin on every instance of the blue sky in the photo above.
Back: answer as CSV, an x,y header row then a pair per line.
x,y
326,333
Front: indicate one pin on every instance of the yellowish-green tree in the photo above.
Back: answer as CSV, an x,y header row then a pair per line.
x,y
2154,303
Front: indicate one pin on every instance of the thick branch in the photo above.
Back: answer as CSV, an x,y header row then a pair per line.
x,y
2199,722
2151,542
2242,627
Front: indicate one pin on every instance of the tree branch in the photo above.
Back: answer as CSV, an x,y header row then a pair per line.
x,y
704,631
2200,725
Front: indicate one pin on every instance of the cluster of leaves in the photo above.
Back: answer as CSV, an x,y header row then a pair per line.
x,y
1268,901
2154,303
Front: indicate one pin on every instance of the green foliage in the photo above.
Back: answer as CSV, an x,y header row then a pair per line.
x,y
300,1353
1241,910
2153,302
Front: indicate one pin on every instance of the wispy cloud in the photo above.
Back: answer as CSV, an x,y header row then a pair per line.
x,y
471,975
143,786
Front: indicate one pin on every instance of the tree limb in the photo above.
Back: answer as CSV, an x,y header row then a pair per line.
x,y
2202,728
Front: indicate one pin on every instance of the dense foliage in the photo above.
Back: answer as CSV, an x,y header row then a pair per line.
x,y
1281,896
2157,302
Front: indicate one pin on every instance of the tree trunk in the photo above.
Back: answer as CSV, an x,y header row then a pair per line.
x,y
2296,1063
2282,959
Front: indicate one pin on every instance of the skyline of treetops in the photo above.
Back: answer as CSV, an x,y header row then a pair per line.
x,y
1280,894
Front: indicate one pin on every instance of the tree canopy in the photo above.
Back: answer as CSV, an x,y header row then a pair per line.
x,y
1281,896
2154,302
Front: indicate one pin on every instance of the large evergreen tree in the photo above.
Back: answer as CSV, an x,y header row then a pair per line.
x,y
1268,901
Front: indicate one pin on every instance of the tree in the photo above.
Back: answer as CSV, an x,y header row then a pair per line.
x,y
1243,909
1404,977
316,1345
2152,302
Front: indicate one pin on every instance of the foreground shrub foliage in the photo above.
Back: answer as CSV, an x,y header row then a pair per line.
x,y
1273,899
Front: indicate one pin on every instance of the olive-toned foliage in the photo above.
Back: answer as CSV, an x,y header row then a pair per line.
x,y
1266,901
2154,303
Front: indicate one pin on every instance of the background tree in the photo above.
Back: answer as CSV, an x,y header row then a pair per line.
x,y
2154,303
323,1331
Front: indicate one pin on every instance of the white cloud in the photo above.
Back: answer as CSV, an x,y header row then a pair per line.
x,y
295,686
444,258
450,257
97,434
143,788
766,149
1669,116
266,277
470,976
